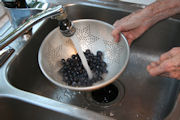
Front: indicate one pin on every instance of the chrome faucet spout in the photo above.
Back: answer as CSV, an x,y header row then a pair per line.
x,y
66,27
57,12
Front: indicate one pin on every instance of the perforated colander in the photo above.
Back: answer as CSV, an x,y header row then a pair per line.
x,y
92,34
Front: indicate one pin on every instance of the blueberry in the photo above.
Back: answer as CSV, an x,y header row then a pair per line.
x,y
97,72
63,61
100,73
71,79
74,74
81,71
67,63
90,59
73,56
79,84
99,78
105,71
61,70
76,57
90,55
91,67
70,68
69,60
74,84
94,69
81,79
75,69
69,82
72,63
99,53
89,83
99,58
66,78
85,74
98,67
79,68
65,74
77,72
76,79
83,84
78,65
65,67
94,61
68,71
103,64
88,51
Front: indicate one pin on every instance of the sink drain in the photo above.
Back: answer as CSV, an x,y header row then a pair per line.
x,y
107,96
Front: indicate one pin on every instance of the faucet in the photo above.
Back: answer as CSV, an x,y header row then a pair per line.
x,y
57,12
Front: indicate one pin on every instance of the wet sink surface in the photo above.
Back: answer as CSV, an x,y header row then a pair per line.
x,y
141,96
13,109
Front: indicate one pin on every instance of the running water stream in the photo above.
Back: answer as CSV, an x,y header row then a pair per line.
x,y
81,55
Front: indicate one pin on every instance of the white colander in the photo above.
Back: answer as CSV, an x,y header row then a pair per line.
x,y
92,34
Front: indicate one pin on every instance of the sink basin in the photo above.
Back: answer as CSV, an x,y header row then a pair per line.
x,y
140,95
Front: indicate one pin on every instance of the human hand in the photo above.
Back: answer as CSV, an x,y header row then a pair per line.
x,y
132,26
168,65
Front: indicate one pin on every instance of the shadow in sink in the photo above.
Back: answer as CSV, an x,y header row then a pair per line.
x,y
145,97
14,109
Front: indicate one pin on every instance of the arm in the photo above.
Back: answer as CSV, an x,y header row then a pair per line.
x,y
135,24
162,9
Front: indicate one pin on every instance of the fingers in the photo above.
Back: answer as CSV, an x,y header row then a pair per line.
x,y
117,29
166,64
155,69
161,67
169,67
115,34
165,56
129,37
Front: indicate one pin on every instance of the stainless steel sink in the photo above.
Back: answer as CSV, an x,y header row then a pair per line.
x,y
13,109
140,97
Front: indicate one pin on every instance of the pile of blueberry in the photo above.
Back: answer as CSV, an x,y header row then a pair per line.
x,y
74,73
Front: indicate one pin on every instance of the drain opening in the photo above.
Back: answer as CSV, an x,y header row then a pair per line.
x,y
106,94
